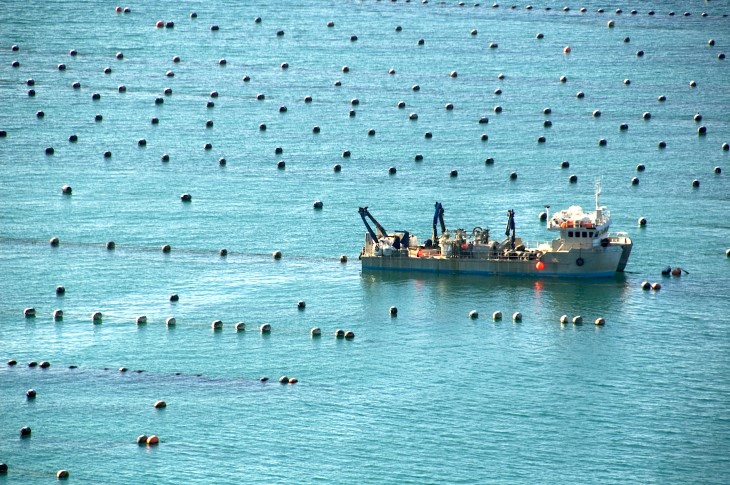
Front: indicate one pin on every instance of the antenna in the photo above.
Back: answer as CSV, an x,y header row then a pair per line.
x,y
598,192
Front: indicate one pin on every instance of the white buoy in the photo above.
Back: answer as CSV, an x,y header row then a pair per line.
x,y
58,315
315,332
265,328
497,315
96,317
517,316
564,319
600,321
216,325
29,312
473,314
141,320
171,322
577,320
393,311
240,326
349,335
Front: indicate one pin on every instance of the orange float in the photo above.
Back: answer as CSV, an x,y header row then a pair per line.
x,y
540,266
566,50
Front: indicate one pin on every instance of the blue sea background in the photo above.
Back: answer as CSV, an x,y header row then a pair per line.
x,y
429,396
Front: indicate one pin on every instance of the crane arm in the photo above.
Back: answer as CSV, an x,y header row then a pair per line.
x,y
365,215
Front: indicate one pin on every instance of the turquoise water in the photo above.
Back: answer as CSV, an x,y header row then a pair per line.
x,y
429,396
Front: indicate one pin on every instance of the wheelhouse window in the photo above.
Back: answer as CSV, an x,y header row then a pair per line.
x,y
585,234
570,233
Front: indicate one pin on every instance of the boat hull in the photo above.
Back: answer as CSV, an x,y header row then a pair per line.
x,y
577,263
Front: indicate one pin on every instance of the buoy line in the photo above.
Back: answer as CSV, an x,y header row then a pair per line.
x,y
231,254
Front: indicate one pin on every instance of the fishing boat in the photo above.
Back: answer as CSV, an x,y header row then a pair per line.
x,y
584,247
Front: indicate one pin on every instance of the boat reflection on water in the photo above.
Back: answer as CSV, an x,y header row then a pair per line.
x,y
454,295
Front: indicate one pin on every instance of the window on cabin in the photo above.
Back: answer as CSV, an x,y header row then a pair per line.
x,y
585,234
590,234
570,233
